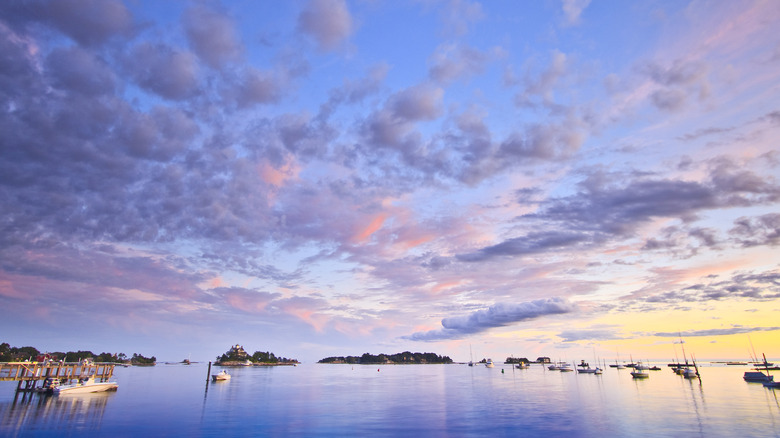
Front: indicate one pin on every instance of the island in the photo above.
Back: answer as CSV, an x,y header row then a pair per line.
x,y
399,358
237,356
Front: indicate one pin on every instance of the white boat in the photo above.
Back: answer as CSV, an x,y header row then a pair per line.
x,y
640,371
522,366
85,386
564,368
222,375
489,363
689,373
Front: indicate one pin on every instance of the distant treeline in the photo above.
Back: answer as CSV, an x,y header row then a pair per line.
x,y
21,354
399,358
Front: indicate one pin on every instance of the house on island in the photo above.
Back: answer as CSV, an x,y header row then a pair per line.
x,y
543,359
235,356
238,352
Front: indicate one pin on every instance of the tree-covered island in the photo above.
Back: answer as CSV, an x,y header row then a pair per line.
x,y
399,358
237,356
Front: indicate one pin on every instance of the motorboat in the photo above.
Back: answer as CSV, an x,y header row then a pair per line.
x,y
489,363
85,386
640,371
220,376
757,376
689,373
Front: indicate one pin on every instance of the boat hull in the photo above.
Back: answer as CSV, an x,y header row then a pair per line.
x,y
751,376
88,388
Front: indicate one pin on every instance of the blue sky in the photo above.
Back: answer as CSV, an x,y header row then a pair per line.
x,y
320,178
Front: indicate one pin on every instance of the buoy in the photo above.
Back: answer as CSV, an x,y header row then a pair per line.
x,y
377,370
502,371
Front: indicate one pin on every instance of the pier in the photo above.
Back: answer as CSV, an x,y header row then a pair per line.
x,y
28,374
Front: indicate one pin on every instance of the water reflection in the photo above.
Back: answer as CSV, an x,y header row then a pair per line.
x,y
28,411
453,400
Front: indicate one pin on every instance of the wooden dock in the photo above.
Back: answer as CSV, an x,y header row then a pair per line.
x,y
28,374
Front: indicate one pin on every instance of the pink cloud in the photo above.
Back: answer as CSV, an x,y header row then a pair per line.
x,y
374,225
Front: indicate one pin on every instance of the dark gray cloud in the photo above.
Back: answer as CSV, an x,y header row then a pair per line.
x,y
531,243
542,86
77,70
163,70
327,21
212,35
87,22
451,62
678,81
762,286
607,208
498,315
684,241
680,72
758,231
591,334
551,141
736,330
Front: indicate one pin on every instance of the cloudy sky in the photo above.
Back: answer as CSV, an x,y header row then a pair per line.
x,y
315,178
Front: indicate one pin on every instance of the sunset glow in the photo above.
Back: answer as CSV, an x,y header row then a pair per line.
x,y
331,177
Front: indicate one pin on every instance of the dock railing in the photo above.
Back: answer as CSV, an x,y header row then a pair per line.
x,y
30,373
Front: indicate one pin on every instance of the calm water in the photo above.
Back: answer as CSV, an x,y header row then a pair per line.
x,y
402,400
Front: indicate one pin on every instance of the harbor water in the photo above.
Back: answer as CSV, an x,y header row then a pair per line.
x,y
401,400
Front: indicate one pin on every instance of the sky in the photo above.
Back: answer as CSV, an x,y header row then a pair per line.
x,y
574,179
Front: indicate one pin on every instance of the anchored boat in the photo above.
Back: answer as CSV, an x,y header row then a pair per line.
x,y
85,386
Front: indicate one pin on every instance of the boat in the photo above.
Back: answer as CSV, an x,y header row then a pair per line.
x,y
471,357
585,368
617,365
565,368
757,376
769,381
220,376
85,386
522,366
640,371
689,373
489,363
